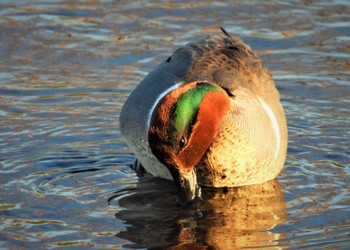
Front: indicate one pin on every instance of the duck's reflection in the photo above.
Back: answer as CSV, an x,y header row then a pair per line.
x,y
225,219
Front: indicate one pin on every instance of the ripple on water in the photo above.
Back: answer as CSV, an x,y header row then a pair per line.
x,y
68,70
67,186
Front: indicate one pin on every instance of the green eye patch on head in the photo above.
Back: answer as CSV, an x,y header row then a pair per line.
x,y
188,105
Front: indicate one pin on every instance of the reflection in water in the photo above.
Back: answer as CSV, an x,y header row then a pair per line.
x,y
225,219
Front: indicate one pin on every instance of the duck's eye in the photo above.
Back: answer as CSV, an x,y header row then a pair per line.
x,y
183,141
169,59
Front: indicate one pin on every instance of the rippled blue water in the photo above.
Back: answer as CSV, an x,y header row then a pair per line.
x,y
65,179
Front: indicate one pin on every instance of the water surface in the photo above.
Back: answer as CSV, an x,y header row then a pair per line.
x,y
65,179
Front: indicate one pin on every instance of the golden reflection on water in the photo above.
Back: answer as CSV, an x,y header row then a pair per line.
x,y
226,218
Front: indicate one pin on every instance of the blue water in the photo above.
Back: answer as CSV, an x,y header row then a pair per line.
x,y
66,69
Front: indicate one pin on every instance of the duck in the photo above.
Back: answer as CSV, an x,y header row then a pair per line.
x,y
209,115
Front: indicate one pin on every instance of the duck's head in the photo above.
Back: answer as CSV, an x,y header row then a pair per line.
x,y
182,126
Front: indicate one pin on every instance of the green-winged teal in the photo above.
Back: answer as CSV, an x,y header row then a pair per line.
x,y
209,115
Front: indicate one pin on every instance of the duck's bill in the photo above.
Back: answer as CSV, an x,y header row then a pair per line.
x,y
188,189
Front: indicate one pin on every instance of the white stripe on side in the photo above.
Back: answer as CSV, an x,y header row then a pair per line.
x,y
161,95
274,122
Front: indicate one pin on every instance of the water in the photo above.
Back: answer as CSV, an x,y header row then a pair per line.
x,y
67,67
